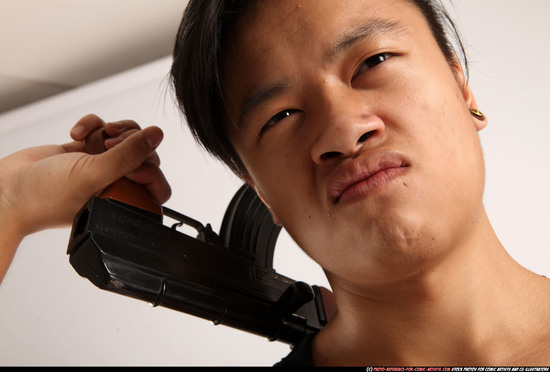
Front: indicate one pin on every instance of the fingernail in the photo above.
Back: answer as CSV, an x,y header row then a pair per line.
x,y
153,138
78,131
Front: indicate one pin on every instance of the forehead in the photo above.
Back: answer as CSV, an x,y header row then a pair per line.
x,y
276,40
287,23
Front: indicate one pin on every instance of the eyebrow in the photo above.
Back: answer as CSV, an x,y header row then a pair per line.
x,y
371,29
257,98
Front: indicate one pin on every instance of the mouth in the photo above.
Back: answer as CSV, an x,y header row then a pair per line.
x,y
365,176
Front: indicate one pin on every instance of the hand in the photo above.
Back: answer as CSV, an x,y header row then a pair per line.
x,y
99,136
43,187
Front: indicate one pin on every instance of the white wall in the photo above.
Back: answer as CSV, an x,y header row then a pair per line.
x,y
509,51
51,316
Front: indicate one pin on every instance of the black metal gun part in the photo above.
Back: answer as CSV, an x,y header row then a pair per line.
x,y
228,279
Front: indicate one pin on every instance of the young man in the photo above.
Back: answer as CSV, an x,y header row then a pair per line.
x,y
356,126
354,123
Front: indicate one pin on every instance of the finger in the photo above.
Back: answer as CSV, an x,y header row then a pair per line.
x,y
152,178
116,128
113,141
75,146
85,126
126,157
31,155
94,143
154,159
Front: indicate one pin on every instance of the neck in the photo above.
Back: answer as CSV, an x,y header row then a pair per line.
x,y
463,310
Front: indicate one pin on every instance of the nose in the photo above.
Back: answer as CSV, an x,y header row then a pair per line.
x,y
345,125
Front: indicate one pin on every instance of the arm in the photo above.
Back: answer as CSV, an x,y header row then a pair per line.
x,y
43,187
10,238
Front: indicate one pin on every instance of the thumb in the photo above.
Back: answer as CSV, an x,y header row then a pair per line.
x,y
128,156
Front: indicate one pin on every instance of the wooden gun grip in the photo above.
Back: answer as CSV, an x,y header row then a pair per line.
x,y
131,193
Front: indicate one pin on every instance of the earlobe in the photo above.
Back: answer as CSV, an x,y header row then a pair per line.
x,y
275,218
273,215
480,120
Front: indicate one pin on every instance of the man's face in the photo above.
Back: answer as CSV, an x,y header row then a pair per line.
x,y
356,133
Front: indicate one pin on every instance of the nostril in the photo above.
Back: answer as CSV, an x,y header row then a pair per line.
x,y
365,137
330,154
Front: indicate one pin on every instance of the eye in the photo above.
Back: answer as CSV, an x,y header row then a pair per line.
x,y
276,118
373,62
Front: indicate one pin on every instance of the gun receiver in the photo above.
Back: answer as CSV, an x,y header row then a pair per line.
x,y
227,279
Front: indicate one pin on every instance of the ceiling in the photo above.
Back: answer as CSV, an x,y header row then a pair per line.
x,y
48,47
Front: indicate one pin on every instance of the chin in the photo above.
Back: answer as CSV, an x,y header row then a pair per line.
x,y
402,250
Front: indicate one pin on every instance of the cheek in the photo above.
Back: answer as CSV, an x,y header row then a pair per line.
x,y
280,162
281,180
433,117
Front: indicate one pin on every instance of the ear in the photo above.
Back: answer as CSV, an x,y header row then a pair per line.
x,y
248,180
479,122
468,95
273,215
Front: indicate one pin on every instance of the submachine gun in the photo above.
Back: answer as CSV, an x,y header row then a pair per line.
x,y
229,279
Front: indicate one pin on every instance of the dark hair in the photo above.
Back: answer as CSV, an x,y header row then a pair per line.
x,y
197,58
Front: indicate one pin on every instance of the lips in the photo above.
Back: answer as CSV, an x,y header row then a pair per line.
x,y
364,176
